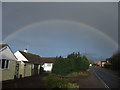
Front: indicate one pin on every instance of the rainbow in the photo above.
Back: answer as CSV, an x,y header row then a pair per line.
x,y
68,21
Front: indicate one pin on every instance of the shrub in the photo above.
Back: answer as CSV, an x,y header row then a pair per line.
x,y
73,63
56,81
72,85
73,74
83,74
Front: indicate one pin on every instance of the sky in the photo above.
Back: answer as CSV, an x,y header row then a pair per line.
x,y
53,29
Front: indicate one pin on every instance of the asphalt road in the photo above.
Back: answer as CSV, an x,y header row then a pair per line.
x,y
109,79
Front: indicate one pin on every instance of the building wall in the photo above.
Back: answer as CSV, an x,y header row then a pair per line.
x,y
19,56
25,69
7,54
8,74
48,66
28,69
21,69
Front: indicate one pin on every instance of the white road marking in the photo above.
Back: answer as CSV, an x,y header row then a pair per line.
x,y
106,86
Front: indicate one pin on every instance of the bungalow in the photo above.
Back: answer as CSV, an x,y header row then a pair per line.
x,y
7,63
32,63
47,63
28,64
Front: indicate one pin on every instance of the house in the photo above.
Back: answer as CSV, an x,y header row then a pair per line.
x,y
98,63
103,63
32,63
47,63
7,63
28,63
21,63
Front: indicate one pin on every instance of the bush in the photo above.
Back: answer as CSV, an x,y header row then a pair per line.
x,y
74,74
73,63
56,81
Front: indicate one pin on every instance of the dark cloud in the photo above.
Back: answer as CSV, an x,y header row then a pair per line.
x,y
101,15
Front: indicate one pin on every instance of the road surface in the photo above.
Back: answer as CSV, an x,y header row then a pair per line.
x,y
99,78
109,79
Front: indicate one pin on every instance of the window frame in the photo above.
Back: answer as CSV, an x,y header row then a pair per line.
x,y
6,64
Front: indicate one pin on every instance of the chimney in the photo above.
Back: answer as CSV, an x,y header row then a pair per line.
x,y
26,50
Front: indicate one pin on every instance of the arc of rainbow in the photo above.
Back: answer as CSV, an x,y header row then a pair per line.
x,y
69,21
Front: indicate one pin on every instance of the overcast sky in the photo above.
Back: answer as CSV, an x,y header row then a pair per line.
x,y
60,28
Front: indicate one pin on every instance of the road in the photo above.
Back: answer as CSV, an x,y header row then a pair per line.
x,y
109,79
99,78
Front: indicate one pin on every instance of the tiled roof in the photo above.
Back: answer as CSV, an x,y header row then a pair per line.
x,y
36,59
33,58
3,45
47,59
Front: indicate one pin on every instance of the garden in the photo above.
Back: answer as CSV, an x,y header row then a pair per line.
x,y
65,70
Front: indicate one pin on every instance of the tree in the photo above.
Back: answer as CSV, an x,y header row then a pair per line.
x,y
73,63
84,65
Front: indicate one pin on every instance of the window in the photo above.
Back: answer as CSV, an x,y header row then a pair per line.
x,y
49,65
4,64
7,63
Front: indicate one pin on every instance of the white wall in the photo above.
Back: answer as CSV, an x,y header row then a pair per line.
x,y
8,73
19,56
47,66
7,54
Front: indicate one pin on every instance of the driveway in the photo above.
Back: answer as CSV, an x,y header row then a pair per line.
x,y
28,82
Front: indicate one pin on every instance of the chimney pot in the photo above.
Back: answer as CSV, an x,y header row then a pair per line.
x,y
26,50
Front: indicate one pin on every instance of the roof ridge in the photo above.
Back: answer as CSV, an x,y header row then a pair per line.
x,y
28,53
